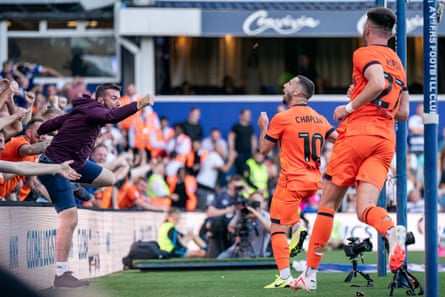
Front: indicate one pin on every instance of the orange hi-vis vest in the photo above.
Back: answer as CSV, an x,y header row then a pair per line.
x,y
203,154
190,188
126,123
156,151
143,126
158,143
104,197
168,133
162,137
127,195
141,136
179,140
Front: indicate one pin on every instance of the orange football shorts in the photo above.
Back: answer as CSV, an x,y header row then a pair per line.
x,y
365,158
285,205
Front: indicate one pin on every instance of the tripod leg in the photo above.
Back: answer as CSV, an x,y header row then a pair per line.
x,y
349,277
415,282
394,282
353,272
235,251
367,277
245,249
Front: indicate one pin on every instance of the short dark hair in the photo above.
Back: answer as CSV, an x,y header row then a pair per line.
x,y
382,17
33,122
178,125
308,86
235,178
100,90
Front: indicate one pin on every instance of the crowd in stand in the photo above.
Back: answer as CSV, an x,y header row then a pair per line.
x,y
158,164
180,166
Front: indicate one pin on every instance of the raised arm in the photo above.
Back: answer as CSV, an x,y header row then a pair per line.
x,y
7,120
265,146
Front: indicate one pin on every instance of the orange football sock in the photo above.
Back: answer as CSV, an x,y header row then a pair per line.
x,y
378,218
320,236
280,248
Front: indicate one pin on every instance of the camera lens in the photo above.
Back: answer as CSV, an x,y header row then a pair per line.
x,y
239,188
410,239
355,247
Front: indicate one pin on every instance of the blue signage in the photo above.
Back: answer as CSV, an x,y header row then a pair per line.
x,y
13,252
299,23
108,241
82,237
40,248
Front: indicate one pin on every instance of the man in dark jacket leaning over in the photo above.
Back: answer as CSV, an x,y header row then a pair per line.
x,y
76,135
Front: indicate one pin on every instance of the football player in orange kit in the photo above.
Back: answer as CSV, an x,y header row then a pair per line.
x,y
365,145
301,133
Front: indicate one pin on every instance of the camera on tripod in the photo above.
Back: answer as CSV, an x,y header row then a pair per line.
x,y
355,247
242,203
245,225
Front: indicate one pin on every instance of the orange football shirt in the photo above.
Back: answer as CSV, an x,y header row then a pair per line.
x,y
377,117
301,133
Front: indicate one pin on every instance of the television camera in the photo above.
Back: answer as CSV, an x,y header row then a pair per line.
x,y
355,248
244,248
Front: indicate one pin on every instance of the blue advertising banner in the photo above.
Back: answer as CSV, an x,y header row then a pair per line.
x,y
301,23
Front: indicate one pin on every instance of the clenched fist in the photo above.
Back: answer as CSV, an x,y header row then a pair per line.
x,y
148,99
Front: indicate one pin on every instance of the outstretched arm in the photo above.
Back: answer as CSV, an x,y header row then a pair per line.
x,y
101,115
26,168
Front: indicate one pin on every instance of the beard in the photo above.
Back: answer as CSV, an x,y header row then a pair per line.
x,y
286,99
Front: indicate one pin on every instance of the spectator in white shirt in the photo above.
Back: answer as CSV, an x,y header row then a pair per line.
x,y
214,139
207,176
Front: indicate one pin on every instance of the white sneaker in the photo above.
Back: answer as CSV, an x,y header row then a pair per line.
x,y
396,242
307,283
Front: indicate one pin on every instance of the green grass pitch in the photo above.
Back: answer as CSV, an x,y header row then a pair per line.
x,y
229,282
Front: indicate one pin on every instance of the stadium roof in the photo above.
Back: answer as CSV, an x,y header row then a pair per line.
x,y
51,10
274,5
103,9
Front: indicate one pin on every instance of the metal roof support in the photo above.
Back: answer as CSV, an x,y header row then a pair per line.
x,y
3,41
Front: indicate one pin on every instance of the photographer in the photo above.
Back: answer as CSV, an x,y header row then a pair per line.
x,y
251,228
219,213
